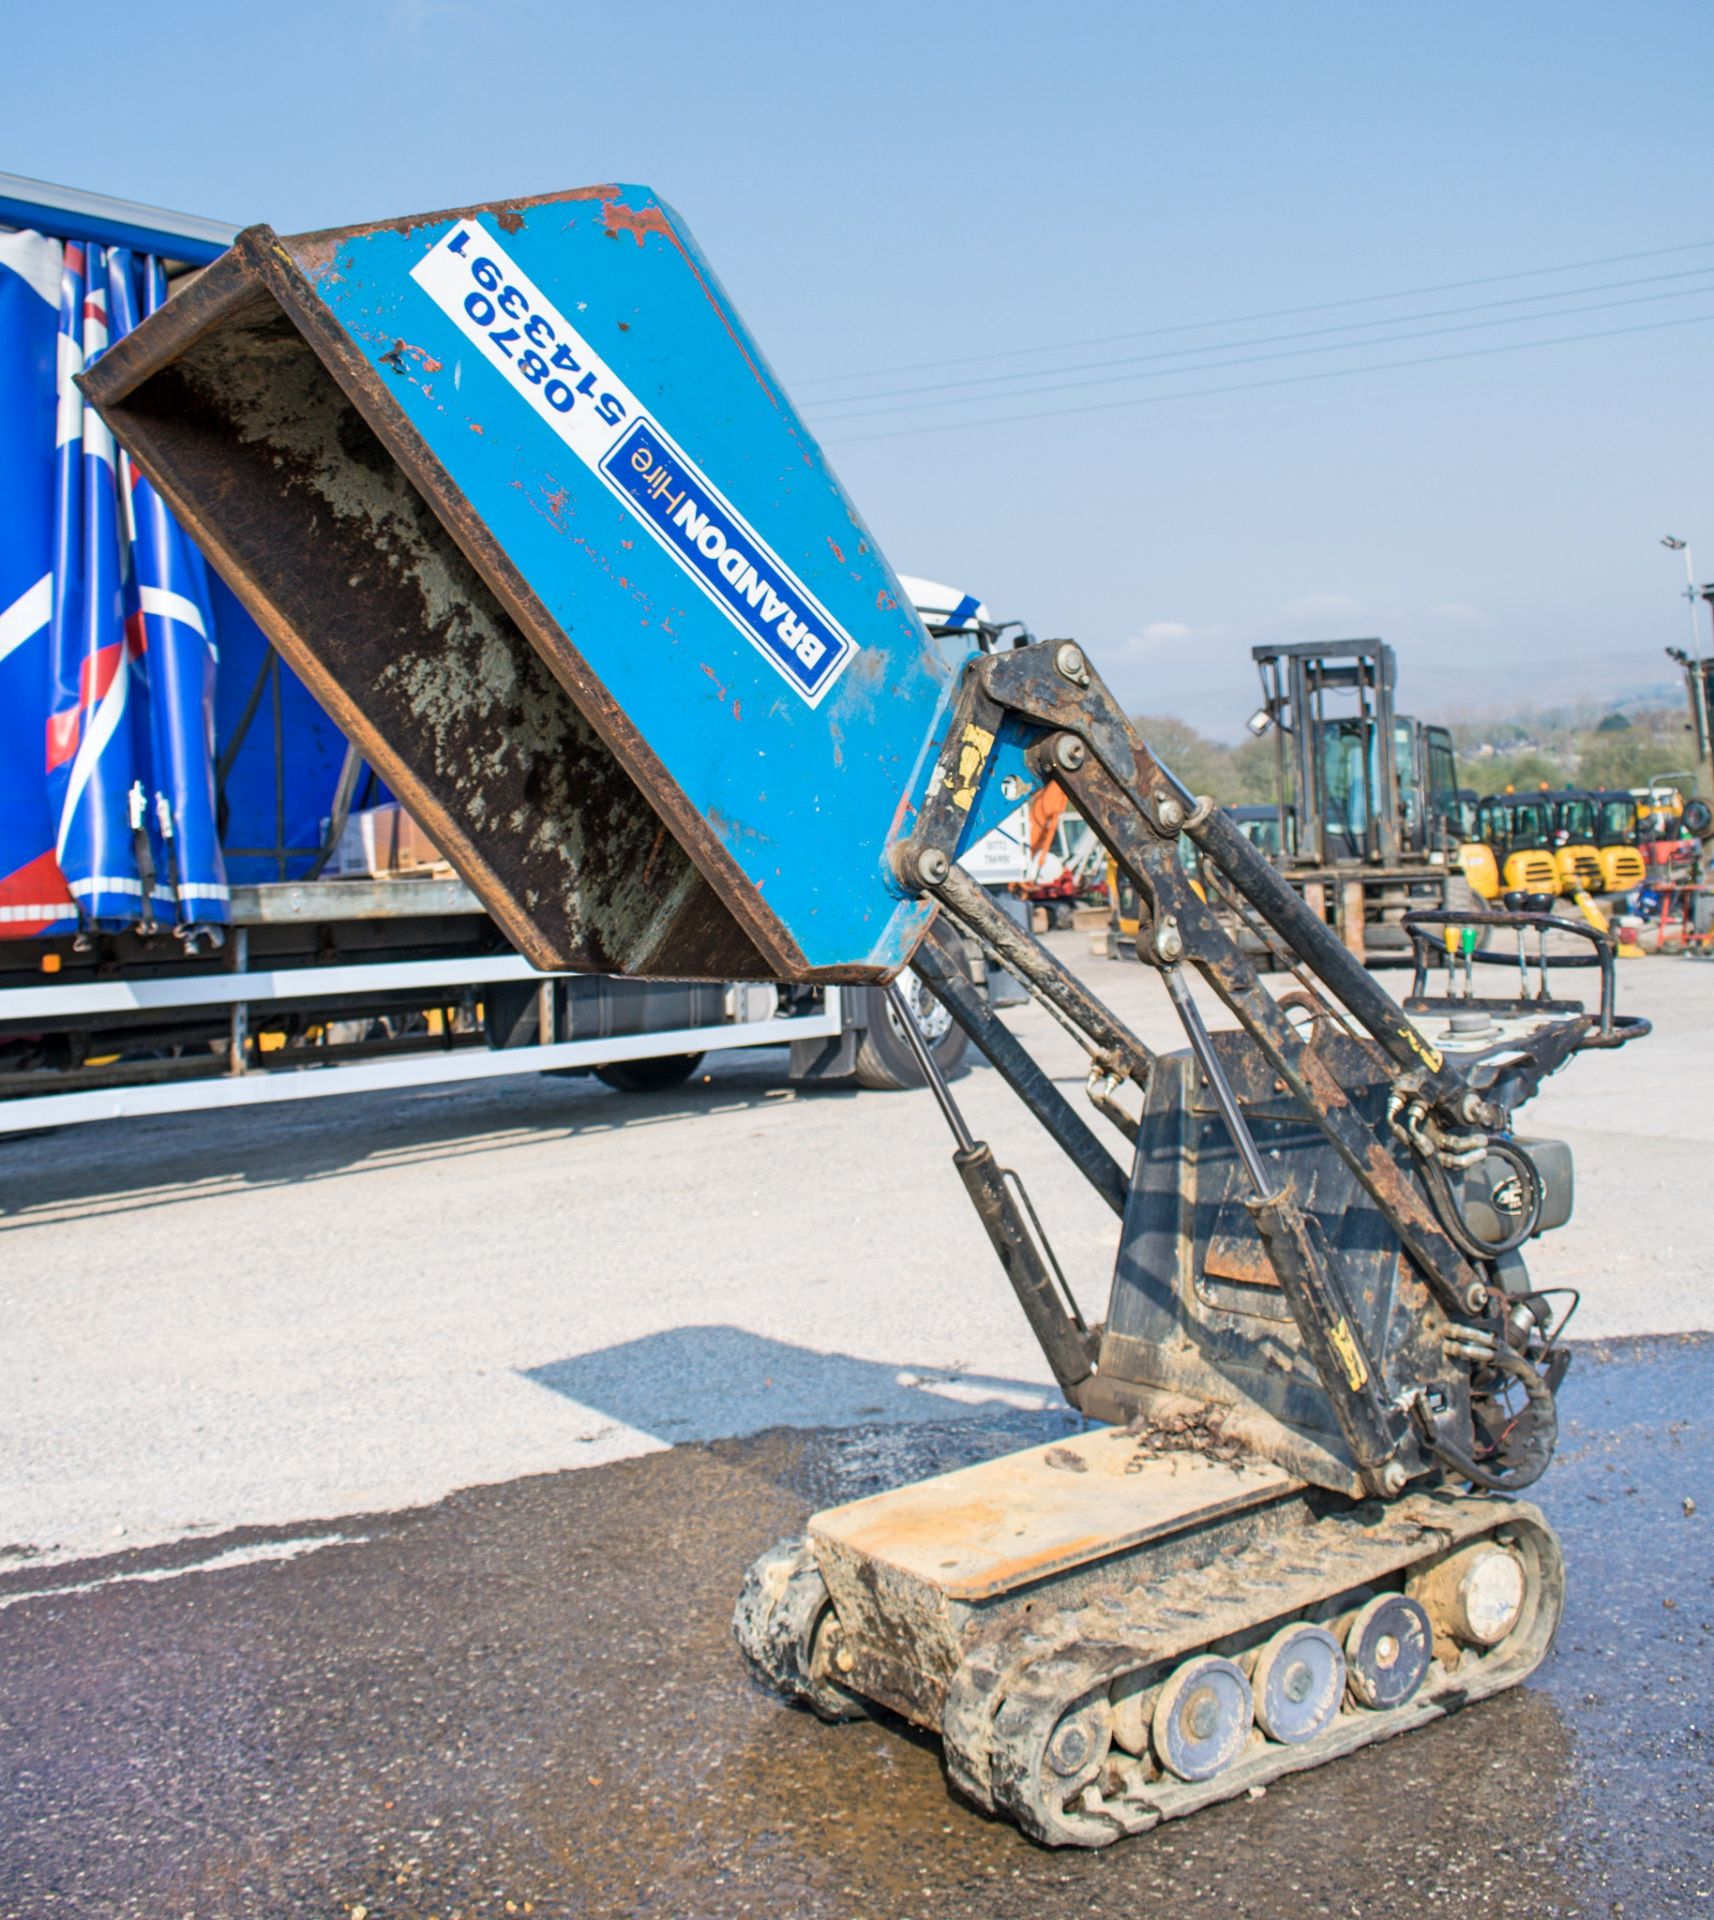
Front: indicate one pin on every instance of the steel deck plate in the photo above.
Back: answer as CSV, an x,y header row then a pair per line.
x,y
987,1529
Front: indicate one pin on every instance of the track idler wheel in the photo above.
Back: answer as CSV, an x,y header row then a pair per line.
x,y
1476,1595
784,1623
1298,1681
1052,1737
1388,1645
1202,1718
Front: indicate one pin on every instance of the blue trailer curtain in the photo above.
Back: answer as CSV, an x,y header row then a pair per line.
x,y
116,679
174,612
33,895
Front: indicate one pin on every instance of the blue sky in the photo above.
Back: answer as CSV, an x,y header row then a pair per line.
x,y
952,188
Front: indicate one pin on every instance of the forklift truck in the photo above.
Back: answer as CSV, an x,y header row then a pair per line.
x,y
1367,799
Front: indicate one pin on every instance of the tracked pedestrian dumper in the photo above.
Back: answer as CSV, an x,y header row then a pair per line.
x,y
517,493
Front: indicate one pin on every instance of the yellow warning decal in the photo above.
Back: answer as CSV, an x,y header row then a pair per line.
x,y
974,749
1346,1348
1429,1056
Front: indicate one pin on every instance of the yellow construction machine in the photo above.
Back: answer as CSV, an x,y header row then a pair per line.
x,y
1513,851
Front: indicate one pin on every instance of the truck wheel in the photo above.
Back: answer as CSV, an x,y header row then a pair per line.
x,y
884,1058
650,1076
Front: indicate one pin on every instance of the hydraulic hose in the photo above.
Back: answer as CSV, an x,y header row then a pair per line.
x,y
1533,1447
1456,1223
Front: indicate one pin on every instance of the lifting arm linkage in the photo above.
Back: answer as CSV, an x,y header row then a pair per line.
x,y
1140,832
1027,684
924,862
1197,936
1383,1444
1138,810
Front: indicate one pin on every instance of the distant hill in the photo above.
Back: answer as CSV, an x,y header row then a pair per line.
x,y
1625,742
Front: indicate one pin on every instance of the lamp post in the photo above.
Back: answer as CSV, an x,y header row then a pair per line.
x,y
1690,594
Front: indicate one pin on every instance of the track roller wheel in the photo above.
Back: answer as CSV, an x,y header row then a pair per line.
x,y
1388,1646
1298,1681
1202,1718
785,1626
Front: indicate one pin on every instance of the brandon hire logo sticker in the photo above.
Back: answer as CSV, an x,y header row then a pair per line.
x,y
549,364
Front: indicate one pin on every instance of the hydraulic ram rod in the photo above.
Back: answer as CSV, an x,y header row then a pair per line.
x,y
946,981
1063,1338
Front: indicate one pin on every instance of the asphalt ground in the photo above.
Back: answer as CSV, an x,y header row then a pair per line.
x,y
445,1426
525,1699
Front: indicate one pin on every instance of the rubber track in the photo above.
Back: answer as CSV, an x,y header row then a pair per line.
x,y
1005,1701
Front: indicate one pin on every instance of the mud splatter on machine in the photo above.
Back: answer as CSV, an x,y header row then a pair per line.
x,y
518,494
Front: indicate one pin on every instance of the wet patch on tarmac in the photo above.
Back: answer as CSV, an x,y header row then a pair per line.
x,y
526,1700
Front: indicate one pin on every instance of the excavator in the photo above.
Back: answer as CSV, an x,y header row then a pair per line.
x,y
516,490
1513,847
